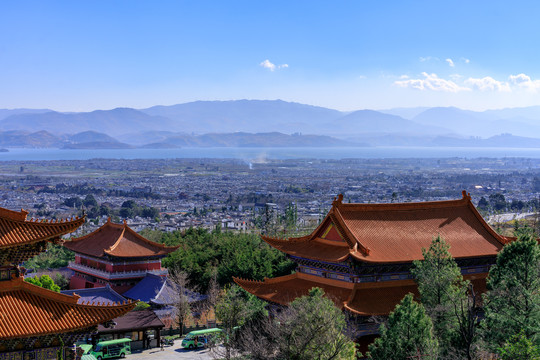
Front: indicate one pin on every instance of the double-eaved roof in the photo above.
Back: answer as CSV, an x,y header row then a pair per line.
x,y
117,240
378,234
395,233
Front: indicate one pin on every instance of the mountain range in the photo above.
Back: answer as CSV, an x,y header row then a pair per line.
x,y
267,123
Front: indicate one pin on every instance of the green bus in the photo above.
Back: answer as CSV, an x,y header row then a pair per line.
x,y
200,338
112,348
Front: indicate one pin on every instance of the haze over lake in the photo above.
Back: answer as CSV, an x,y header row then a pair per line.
x,y
261,153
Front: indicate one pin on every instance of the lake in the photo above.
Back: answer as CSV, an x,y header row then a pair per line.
x,y
248,153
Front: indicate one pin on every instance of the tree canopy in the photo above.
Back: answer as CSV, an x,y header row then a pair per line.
x,y
43,281
201,252
512,303
409,332
441,289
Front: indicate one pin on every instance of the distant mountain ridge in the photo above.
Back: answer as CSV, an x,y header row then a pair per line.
x,y
246,115
94,140
225,123
112,122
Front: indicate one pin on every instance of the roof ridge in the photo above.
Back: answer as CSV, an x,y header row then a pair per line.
x,y
13,215
345,232
404,206
466,197
108,223
501,239
283,240
113,246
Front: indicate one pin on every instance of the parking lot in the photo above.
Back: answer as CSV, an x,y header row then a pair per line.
x,y
173,352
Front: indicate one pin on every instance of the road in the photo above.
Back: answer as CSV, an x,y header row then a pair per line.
x,y
174,352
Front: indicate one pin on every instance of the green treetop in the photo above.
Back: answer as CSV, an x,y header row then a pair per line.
x,y
409,332
441,286
44,281
512,303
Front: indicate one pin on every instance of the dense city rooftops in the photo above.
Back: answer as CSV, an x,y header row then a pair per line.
x,y
395,232
117,240
29,310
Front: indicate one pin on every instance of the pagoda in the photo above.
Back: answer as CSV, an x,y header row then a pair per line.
x,y
115,255
37,323
361,254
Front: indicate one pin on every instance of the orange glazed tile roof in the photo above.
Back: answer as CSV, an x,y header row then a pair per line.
x,y
389,233
284,289
15,230
317,248
117,240
29,310
368,299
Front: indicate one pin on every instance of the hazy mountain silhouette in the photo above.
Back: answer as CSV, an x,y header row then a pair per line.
x,y
262,122
112,122
246,115
369,121
472,123
4,113
90,136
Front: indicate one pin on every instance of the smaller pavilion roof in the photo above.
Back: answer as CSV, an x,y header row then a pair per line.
x,y
118,240
159,290
29,310
134,320
316,248
103,295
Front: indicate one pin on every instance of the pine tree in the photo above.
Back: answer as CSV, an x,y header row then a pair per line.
x,y
441,288
512,303
312,328
519,348
409,332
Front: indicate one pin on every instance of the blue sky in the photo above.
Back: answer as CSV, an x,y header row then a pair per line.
x,y
347,55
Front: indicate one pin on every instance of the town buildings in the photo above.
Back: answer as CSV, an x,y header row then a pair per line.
x,y
361,255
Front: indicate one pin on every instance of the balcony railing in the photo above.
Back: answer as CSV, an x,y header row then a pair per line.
x,y
115,275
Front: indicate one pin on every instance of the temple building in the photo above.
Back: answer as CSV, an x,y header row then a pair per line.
x,y
115,255
361,255
37,323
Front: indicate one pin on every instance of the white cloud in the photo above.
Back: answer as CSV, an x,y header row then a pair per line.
x,y
267,64
404,77
450,62
431,82
488,84
524,81
465,60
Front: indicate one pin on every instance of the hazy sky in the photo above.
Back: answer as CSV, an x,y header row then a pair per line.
x,y
347,55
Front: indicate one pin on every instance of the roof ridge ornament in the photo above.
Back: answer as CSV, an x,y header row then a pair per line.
x,y
466,195
338,201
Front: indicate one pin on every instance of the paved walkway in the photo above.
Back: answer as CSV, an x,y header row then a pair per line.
x,y
173,352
